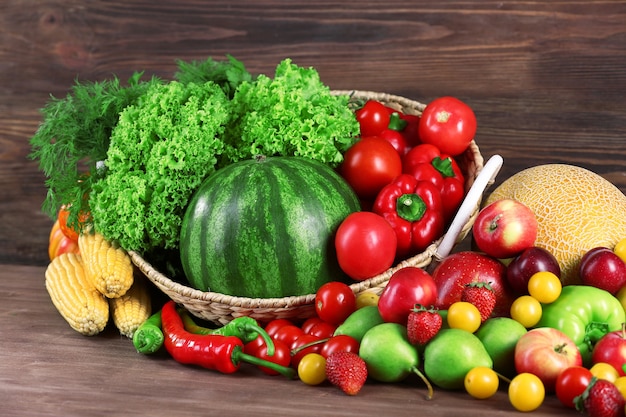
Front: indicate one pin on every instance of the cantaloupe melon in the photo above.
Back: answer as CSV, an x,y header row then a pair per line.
x,y
577,210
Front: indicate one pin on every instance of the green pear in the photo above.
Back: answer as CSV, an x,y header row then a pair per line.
x,y
359,322
451,354
389,355
499,335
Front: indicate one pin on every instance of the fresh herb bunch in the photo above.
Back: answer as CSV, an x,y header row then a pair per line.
x,y
74,136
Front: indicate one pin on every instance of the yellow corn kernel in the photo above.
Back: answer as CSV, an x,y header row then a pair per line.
x,y
131,309
74,296
107,265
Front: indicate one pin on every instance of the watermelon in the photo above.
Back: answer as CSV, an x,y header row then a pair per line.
x,y
264,228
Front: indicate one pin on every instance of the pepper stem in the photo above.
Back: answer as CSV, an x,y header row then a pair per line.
x,y
444,166
396,122
239,356
410,207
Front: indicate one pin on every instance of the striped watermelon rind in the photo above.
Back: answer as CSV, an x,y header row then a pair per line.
x,y
264,228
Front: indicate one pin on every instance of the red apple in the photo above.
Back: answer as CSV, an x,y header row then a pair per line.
x,y
504,228
461,268
526,264
611,348
601,267
546,352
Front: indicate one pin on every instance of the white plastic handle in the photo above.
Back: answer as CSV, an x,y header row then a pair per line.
x,y
486,175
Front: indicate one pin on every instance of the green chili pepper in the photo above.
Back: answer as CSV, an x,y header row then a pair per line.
x,y
585,314
245,328
148,338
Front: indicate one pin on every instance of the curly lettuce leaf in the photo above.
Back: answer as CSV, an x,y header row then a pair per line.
x,y
292,114
160,151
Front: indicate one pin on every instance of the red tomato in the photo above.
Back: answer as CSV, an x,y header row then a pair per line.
x,y
309,323
570,383
288,334
406,287
449,124
334,302
369,165
340,343
365,244
323,330
258,348
272,327
298,351
373,118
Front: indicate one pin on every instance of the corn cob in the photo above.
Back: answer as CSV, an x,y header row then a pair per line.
x,y
131,309
74,296
107,265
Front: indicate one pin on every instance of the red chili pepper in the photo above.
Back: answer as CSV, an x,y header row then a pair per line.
x,y
426,163
216,352
414,210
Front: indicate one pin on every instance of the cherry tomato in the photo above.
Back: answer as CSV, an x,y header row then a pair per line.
x,y
373,118
309,323
526,392
620,383
340,343
365,244
334,302
526,310
323,330
366,298
620,249
545,286
449,124
369,165
570,383
313,344
312,369
258,348
463,315
272,327
481,382
603,370
288,334
406,287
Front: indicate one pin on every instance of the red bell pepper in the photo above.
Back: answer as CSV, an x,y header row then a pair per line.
x,y
414,210
426,163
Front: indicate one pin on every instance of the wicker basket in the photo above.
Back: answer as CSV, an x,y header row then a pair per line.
x,y
220,308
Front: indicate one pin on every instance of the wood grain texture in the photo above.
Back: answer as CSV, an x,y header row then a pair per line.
x,y
48,369
546,79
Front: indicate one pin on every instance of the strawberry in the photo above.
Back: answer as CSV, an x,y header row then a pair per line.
x,y
346,370
423,324
601,398
482,296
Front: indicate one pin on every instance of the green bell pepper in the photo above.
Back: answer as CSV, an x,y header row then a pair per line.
x,y
585,314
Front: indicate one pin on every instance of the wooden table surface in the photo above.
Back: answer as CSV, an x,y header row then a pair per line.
x,y
547,81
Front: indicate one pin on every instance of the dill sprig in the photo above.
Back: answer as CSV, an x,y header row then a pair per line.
x,y
74,136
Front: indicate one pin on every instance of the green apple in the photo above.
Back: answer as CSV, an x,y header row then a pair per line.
x,y
499,335
450,355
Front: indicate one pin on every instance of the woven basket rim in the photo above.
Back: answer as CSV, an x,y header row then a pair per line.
x,y
230,304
